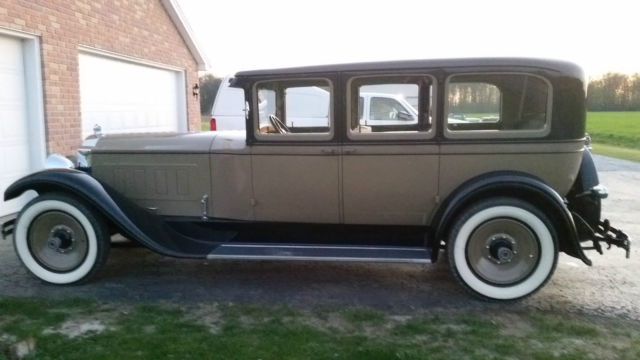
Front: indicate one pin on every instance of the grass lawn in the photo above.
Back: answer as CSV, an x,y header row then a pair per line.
x,y
615,133
620,129
205,122
79,329
616,151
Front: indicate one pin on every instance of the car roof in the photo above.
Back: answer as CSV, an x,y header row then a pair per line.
x,y
564,67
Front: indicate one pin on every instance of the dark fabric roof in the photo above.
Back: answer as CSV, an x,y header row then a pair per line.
x,y
564,67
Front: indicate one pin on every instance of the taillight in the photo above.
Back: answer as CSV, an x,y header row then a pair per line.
x,y
212,124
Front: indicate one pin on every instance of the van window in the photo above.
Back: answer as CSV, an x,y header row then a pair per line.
x,y
497,103
390,105
294,107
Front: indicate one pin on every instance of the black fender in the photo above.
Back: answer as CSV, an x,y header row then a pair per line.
x,y
512,184
133,221
582,199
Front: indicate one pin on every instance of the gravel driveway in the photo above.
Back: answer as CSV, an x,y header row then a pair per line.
x,y
610,287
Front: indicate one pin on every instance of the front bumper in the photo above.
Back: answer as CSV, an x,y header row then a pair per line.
x,y
7,228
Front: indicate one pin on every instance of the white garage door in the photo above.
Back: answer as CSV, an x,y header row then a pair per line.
x,y
125,97
14,134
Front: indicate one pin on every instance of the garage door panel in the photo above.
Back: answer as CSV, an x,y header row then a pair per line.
x,y
124,97
14,140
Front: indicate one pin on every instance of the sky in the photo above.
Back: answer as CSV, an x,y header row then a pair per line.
x,y
601,36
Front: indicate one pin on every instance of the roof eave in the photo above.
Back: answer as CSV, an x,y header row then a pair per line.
x,y
178,18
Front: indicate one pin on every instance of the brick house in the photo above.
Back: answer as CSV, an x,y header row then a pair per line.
x,y
126,65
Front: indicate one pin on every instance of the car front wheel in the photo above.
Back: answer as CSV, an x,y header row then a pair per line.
x,y
60,240
502,249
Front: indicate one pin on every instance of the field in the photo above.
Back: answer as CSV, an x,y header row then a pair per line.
x,y
615,134
615,128
81,329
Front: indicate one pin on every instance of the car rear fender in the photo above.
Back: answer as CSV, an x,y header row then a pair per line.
x,y
511,184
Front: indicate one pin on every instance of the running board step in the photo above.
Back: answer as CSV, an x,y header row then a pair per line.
x,y
322,253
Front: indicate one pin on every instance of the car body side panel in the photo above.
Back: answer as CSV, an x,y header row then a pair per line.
x,y
460,162
232,189
294,183
168,184
231,174
389,184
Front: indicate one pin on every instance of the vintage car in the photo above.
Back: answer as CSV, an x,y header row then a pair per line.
x,y
501,197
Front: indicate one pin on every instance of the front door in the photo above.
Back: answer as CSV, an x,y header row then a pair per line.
x,y
295,159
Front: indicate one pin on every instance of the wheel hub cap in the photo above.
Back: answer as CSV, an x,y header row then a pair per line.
x,y
502,251
61,239
57,241
501,248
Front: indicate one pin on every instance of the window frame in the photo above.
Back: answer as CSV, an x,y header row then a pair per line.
x,y
391,136
497,134
276,137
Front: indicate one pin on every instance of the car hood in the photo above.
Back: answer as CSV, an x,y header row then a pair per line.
x,y
199,142
157,142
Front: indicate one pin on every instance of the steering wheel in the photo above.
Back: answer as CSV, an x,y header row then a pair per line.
x,y
278,124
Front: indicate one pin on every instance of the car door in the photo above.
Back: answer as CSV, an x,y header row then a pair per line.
x,y
294,156
389,175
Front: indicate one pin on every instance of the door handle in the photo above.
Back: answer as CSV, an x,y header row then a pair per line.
x,y
329,151
349,151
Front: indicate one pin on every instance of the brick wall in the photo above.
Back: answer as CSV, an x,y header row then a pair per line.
x,y
138,28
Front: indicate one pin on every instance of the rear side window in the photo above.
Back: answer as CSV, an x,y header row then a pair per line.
x,y
495,105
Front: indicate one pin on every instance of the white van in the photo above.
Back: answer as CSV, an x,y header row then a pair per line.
x,y
228,108
309,108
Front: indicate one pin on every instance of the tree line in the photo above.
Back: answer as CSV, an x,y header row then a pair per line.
x,y
209,85
614,92
611,92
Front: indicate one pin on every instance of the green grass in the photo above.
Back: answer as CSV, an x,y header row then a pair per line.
x,y
616,151
621,129
258,332
205,122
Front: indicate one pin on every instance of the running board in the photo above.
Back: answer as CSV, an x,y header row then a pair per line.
x,y
397,254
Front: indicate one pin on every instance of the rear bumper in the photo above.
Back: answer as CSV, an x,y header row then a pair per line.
x,y
603,233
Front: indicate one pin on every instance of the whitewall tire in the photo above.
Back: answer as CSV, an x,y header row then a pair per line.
x,y
502,249
60,240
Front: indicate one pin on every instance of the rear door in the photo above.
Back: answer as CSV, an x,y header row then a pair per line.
x,y
389,172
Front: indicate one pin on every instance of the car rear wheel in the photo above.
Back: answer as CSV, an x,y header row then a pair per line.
x,y
60,240
502,249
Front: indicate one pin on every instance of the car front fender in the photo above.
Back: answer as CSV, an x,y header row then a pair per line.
x,y
133,221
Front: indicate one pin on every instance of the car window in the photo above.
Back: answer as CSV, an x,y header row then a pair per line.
x,y
473,103
495,103
292,107
390,106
